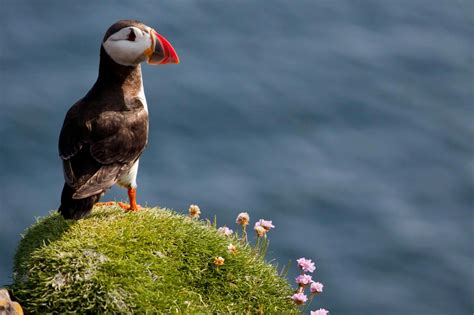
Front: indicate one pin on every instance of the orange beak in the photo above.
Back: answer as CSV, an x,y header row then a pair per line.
x,y
161,51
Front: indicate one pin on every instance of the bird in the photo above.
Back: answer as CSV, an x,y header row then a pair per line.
x,y
105,132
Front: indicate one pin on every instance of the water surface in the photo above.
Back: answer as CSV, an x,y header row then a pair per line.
x,y
348,123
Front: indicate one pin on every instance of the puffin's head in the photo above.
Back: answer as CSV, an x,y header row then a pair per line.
x,y
130,42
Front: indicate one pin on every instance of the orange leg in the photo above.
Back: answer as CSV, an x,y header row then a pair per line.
x,y
132,195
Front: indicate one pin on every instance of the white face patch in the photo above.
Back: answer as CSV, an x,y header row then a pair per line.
x,y
125,51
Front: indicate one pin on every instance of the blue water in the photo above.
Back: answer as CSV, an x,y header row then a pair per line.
x,y
348,123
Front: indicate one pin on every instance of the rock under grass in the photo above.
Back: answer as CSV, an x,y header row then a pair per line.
x,y
154,261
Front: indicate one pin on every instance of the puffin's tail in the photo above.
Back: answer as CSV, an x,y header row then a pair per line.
x,y
75,208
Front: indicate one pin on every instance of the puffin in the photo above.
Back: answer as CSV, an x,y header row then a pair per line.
x,y
106,131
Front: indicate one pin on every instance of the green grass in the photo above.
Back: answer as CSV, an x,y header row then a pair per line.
x,y
153,261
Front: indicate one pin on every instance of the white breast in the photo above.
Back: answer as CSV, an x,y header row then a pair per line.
x,y
129,180
141,97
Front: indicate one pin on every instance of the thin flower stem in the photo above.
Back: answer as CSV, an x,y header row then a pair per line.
x,y
265,245
244,233
309,303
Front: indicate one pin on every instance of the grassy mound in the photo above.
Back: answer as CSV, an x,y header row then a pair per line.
x,y
154,261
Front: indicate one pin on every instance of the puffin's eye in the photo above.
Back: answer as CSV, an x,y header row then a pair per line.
x,y
131,36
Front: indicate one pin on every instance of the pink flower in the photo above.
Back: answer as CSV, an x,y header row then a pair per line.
x,y
316,287
219,261
303,280
321,311
306,264
267,225
260,231
243,218
232,249
225,231
194,211
299,298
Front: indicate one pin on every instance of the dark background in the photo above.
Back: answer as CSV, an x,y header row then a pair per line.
x,y
347,123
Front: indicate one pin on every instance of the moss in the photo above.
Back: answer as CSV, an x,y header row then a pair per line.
x,y
154,261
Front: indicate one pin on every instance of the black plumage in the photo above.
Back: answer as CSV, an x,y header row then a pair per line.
x,y
103,134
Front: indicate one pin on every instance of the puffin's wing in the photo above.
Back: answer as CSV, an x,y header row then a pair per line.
x,y
74,133
103,179
128,140
97,151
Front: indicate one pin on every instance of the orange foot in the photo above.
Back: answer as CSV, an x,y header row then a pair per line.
x,y
127,207
132,195
103,204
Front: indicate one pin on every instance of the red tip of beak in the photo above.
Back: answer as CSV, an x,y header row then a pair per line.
x,y
170,54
